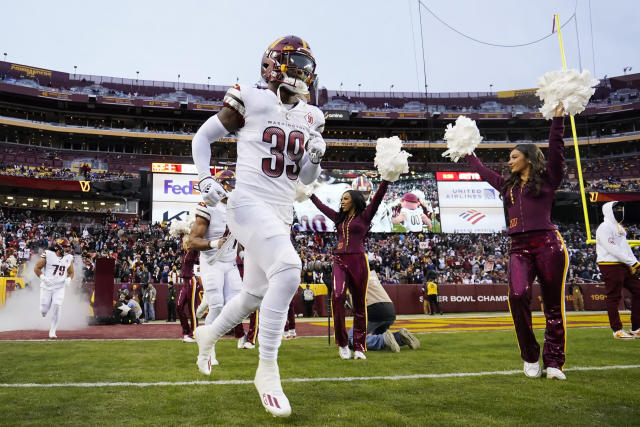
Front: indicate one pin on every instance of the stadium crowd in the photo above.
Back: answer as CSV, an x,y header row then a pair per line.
x,y
146,253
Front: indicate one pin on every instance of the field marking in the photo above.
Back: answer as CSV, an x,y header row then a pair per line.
x,y
306,380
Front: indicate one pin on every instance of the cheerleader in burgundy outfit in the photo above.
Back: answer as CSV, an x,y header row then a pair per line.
x,y
350,265
537,249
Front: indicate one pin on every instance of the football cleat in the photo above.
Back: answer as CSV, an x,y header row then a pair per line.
x,y
409,338
622,335
52,334
242,341
390,341
202,309
267,382
292,334
344,352
635,334
188,338
532,370
249,345
359,355
555,374
206,351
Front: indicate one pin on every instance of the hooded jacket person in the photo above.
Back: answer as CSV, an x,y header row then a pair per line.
x,y
619,269
611,238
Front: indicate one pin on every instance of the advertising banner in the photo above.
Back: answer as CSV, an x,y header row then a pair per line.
x,y
469,205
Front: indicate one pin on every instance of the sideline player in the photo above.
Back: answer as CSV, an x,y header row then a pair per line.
x,y
619,268
57,262
278,143
188,296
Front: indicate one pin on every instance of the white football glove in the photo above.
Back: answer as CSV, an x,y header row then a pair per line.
x,y
67,281
316,147
211,190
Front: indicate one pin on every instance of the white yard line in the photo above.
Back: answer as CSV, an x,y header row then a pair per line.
x,y
307,380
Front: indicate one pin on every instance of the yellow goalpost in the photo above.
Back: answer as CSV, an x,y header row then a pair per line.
x,y
590,240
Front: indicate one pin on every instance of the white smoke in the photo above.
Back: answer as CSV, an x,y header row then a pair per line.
x,y
21,310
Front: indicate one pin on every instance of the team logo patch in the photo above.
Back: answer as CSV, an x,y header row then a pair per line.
x,y
309,118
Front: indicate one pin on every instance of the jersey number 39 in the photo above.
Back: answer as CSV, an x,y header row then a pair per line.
x,y
293,147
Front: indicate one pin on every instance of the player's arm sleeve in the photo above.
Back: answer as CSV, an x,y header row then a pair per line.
x,y
213,129
309,171
555,160
370,210
209,132
330,213
492,177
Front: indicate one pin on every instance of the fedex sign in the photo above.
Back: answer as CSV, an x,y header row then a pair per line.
x,y
171,187
178,187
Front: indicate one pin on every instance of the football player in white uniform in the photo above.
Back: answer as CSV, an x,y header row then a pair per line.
x,y
278,142
218,270
57,263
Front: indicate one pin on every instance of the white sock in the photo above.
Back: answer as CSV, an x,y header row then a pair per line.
x,y
55,317
233,313
274,309
214,312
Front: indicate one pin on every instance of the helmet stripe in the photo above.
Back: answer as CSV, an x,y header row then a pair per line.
x,y
276,42
304,44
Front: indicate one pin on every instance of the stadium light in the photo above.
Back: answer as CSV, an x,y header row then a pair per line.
x,y
5,57
178,81
208,82
490,87
9,197
390,88
359,84
75,71
625,69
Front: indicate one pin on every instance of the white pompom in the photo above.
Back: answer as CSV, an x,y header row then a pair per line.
x,y
390,159
571,88
177,228
462,138
303,192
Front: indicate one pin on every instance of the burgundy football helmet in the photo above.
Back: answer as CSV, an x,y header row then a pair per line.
x,y
289,61
60,245
227,178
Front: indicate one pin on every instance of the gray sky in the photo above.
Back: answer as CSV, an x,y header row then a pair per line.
x,y
372,42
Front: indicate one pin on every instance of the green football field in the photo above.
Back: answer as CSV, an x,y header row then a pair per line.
x,y
462,378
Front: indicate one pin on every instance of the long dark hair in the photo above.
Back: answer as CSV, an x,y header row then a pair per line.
x,y
358,202
538,170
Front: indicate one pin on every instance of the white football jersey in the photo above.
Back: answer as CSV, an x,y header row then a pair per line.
x,y
381,222
217,218
271,143
413,220
56,267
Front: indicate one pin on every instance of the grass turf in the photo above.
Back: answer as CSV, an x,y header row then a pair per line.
x,y
607,397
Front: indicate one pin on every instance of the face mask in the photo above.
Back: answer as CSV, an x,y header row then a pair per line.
x,y
618,212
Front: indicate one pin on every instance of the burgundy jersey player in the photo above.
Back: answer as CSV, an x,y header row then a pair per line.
x,y
189,296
